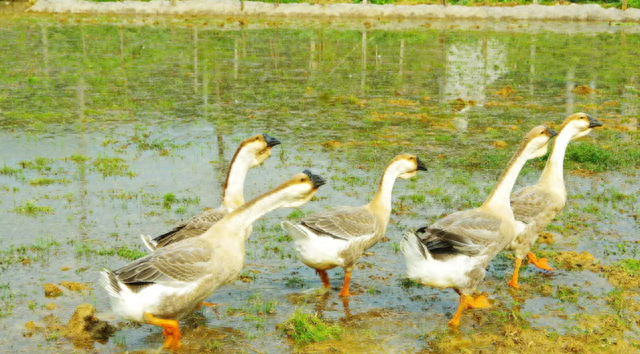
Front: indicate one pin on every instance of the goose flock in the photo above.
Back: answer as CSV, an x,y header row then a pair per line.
x,y
192,260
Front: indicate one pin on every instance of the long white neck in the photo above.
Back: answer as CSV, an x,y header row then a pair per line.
x,y
243,217
233,194
381,202
553,174
499,200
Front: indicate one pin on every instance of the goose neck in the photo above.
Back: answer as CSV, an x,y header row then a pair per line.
x,y
553,172
500,197
244,216
233,194
381,202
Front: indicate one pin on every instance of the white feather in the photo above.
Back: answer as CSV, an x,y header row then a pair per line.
x,y
316,251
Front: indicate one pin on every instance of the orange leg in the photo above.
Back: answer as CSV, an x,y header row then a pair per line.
x,y
514,278
171,330
324,277
464,299
468,302
540,263
208,304
345,285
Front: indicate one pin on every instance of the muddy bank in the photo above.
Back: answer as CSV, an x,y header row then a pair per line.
x,y
232,8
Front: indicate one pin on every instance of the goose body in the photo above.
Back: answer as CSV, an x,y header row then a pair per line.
x,y
337,237
535,206
165,285
455,250
251,152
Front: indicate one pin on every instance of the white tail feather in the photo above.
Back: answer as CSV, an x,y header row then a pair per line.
x,y
294,231
149,242
110,283
413,249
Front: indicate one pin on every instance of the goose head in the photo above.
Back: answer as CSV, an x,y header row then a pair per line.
x,y
406,166
300,188
537,140
257,148
579,125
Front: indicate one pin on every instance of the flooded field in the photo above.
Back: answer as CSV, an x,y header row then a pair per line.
x,y
114,127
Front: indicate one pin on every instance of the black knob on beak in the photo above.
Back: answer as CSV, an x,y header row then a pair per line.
x,y
317,180
594,123
271,141
552,133
421,166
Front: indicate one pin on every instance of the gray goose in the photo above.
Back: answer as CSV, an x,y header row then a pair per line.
x,y
337,237
165,285
534,207
251,153
455,251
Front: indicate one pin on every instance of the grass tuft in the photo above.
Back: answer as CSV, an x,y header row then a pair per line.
x,y
304,328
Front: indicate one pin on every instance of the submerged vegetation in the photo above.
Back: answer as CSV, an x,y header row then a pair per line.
x,y
127,129
304,328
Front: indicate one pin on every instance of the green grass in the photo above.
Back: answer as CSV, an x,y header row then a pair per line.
x,y
631,266
295,283
596,158
304,328
112,166
295,214
32,209
406,283
8,171
129,253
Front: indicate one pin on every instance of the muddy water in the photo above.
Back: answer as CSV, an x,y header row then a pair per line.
x,y
101,119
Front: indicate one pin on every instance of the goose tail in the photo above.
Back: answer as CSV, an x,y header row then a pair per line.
x,y
111,284
413,249
149,242
295,231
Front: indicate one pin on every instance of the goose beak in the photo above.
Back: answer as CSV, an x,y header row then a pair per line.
x,y
317,180
593,123
552,133
271,141
421,166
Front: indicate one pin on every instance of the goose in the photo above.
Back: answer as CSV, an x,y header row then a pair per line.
x,y
163,286
337,237
251,153
455,250
535,206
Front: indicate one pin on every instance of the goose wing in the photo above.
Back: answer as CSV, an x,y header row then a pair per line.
x,y
194,227
466,232
343,223
528,203
187,262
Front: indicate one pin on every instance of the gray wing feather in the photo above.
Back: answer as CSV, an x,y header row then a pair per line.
x,y
192,228
344,223
185,263
468,232
528,203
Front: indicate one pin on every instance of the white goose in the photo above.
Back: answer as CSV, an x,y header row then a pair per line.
x,y
165,285
455,250
337,237
251,153
535,206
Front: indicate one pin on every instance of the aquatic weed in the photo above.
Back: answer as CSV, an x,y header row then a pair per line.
x,y
304,328
32,209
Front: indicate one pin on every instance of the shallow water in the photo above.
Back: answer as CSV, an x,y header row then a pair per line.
x,y
117,113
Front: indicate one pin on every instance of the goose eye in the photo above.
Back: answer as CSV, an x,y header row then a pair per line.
x,y
301,179
541,133
257,138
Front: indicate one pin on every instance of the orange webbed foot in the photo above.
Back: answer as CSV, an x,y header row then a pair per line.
x,y
540,263
480,302
208,304
513,283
